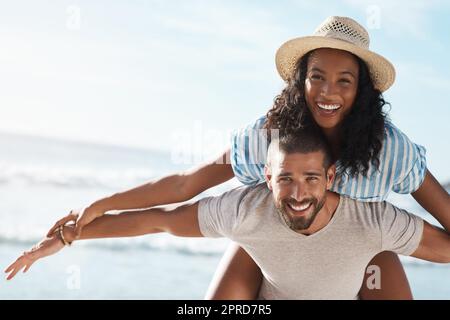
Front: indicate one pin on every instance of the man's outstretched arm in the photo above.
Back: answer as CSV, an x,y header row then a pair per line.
x,y
434,245
181,221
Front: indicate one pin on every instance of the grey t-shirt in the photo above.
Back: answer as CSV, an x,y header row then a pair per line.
x,y
328,264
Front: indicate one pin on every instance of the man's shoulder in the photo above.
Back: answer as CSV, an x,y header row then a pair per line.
x,y
366,213
241,197
248,200
371,205
374,215
255,195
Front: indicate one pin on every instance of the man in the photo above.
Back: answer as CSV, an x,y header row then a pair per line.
x,y
310,243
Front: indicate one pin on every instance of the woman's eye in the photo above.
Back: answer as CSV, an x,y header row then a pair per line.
x,y
346,81
316,77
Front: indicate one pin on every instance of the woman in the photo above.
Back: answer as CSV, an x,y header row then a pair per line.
x,y
335,81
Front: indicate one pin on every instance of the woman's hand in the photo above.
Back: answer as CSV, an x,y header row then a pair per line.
x,y
81,217
48,246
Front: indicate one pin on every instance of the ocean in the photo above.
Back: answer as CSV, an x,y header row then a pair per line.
x,y
41,179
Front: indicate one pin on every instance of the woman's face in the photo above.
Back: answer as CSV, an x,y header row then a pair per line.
x,y
330,86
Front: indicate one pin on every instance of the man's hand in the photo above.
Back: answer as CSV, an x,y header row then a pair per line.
x,y
46,247
81,217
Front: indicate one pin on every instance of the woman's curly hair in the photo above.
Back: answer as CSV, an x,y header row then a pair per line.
x,y
362,129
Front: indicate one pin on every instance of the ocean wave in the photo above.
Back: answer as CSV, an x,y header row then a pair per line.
x,y
73,177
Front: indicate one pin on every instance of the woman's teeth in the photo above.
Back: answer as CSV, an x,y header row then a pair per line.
x,y
329,106
299,207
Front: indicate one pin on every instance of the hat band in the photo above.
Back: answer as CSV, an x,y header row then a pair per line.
x,y
344,37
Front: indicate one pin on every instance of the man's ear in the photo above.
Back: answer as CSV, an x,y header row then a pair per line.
x,y
268,176
331,175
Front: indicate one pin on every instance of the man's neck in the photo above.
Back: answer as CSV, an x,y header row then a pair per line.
x,y
325,214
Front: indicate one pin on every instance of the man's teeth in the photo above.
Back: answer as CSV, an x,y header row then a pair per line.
x,y
329,106
300,208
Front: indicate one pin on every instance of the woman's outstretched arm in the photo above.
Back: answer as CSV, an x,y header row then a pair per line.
x,y
434,199
174,188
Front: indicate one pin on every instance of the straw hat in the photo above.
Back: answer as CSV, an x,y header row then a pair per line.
x,y
339,33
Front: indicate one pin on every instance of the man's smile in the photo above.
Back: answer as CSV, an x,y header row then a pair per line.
x,y
299,209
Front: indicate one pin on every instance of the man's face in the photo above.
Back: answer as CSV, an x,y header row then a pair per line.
x,y
299,183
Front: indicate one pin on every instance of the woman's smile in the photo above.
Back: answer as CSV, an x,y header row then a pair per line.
x,y
328,110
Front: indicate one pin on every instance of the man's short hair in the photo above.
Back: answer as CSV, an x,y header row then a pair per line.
x,y
303,140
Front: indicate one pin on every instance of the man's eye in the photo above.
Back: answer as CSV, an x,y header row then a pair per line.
x,y
312,179
285,180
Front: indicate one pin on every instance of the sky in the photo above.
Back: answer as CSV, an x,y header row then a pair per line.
x,y
183,74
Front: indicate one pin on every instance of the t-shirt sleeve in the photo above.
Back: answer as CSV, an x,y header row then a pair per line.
x,y
249,151
217,216
401,231
409,163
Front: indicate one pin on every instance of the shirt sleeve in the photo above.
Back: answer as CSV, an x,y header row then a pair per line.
x,y
410,165
249,151
401,231
217,216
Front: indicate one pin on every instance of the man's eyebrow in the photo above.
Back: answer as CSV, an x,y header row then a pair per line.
x,y
313,173
307,173
285,174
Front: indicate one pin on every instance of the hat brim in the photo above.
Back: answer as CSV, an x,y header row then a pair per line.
x,y
382,72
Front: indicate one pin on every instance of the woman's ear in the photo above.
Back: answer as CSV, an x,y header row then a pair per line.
x,y
268,176
331,174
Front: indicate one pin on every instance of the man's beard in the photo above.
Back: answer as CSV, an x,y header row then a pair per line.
x,y
302,222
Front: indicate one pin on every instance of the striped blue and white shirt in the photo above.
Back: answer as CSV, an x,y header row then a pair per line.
x,y
402,164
